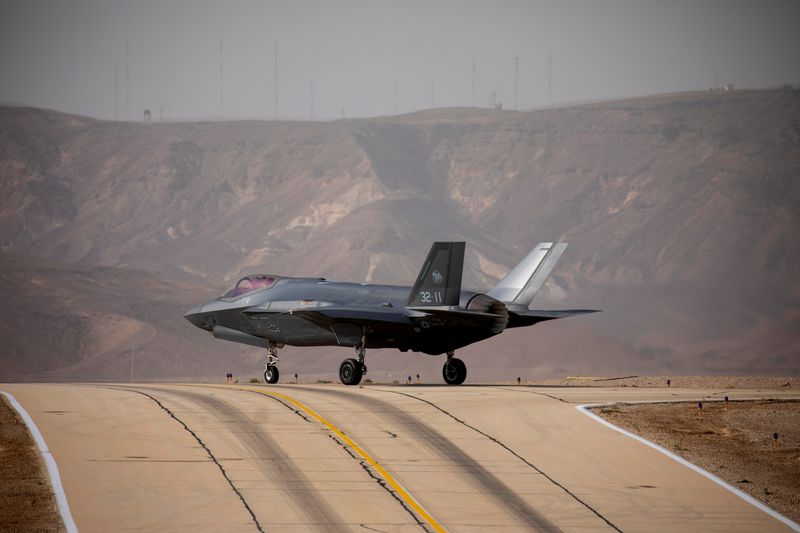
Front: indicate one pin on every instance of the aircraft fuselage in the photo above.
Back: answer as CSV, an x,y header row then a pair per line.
x,y
434,316
271,315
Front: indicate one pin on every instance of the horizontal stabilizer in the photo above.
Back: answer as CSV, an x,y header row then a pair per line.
x,y
521,285
530,317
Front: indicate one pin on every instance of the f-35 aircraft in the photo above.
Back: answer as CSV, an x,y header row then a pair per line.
x,y
435,316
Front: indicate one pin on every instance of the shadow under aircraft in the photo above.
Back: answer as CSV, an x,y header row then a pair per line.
x,y
434,316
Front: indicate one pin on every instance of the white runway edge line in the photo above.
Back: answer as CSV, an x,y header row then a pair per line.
x,y
52,468
724,484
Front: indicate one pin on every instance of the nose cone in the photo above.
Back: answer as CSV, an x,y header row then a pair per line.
x,y
196,316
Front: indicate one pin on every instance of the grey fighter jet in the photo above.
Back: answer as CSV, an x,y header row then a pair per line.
x,y
435,316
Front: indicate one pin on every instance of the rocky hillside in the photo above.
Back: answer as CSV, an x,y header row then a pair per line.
x,y
680,210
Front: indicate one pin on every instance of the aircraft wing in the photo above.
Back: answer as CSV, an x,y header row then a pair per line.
x,y
329,315
387,315
347,321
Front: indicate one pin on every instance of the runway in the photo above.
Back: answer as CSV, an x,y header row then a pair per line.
x,y
377,458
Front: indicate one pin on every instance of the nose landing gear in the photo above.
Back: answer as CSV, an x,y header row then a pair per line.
x,y
454,370
271,373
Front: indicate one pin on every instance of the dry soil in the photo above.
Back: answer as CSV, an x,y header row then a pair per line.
x,y
736,442
26,498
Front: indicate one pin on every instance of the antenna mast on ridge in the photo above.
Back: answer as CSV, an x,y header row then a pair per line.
x,y
276,79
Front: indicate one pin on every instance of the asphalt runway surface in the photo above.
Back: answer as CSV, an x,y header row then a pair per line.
x,y
377,458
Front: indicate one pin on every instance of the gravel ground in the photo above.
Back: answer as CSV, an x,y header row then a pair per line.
x,y
26,499
735,443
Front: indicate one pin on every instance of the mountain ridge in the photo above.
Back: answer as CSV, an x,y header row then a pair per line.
x,y
674,206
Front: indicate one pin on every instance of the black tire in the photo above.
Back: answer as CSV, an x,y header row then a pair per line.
x,y
350,372
271,374
454,371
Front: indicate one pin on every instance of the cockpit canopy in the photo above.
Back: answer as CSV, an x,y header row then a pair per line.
x,y
252,283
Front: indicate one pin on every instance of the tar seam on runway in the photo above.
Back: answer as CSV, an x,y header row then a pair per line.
x,y
489,481
309,502
381,482
536,392
512,452
208,451
49,461
584,408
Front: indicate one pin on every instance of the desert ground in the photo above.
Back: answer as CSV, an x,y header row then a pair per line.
x,y
383,457
734,440
25,492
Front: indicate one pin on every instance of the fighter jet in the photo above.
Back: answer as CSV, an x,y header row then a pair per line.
x,y
434,316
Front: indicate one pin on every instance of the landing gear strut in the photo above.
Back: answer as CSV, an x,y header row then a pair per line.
x,y
352,370
271,373
454,371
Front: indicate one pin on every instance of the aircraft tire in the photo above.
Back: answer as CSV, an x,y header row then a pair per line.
x,y
271,374
350,372
454,371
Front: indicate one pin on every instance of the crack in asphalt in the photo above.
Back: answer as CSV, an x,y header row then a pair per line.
x,y
205,447
512,452
445,448
534,392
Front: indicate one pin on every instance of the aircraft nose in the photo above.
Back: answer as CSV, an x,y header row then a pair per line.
x,y
195,315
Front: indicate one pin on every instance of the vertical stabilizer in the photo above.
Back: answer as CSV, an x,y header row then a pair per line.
x,y
439,281
521,285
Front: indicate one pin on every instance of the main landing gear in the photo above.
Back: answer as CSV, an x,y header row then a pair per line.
x,y
454,370
271,373
352,370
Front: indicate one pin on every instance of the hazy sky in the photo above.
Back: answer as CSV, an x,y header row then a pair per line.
x,y
62,54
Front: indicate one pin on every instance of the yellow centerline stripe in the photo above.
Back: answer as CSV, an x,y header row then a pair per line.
x,y
398,488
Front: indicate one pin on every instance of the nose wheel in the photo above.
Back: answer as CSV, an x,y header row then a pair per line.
x,y
454,371
271,373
